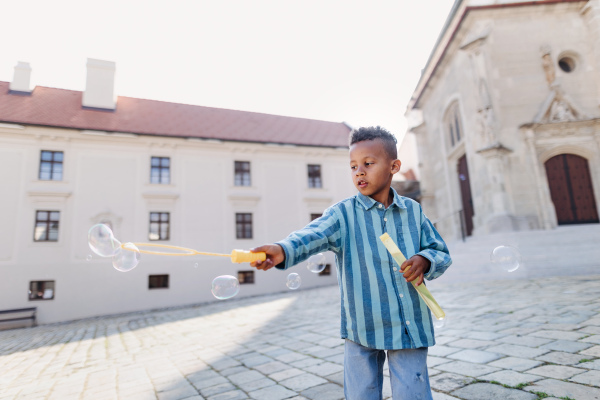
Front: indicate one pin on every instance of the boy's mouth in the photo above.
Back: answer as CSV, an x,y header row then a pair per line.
x,y
362,183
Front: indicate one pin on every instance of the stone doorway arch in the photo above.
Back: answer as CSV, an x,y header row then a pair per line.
x,y
571,189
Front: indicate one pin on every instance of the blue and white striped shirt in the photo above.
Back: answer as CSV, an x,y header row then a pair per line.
x,y
380,310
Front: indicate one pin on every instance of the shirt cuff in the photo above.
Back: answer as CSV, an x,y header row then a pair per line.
x,y
288,250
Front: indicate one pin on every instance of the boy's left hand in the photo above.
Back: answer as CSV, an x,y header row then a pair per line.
x,y
419,266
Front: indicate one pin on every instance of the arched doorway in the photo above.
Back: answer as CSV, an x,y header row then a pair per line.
x,y
465,194
571,189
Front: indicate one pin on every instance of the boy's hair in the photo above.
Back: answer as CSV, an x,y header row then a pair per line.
x,y
376,132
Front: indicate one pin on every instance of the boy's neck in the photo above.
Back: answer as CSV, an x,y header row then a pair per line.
x,y
386,198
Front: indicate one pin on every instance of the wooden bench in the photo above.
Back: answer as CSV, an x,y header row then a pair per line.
x,y
17,318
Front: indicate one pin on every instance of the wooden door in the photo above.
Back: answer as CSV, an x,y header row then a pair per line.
x,y
571,189
465,194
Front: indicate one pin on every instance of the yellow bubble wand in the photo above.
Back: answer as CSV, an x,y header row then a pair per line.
x,y
236,256
424,293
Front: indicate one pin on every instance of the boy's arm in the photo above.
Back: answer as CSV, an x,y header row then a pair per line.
x,y
320,235
434,249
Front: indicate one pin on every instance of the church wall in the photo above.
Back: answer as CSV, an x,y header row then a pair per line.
x,y
503,48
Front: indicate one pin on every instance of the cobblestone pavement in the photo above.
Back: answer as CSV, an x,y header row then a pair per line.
x,y
503,340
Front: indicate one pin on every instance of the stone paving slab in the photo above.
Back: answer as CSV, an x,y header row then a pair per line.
x,y
286,346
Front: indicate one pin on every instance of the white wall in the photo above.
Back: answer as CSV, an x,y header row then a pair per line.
x,y
107,176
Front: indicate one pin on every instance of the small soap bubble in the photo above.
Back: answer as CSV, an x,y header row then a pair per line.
x,y
102,241
88,258
506,258
439,323
225,287
126,258
196,265
316,263
293,281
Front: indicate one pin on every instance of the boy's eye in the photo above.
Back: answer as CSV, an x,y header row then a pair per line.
x,y
353,167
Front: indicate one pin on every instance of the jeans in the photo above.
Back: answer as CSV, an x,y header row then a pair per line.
x,y
363,373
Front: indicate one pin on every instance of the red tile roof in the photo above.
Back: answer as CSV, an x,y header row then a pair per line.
x,y
62,108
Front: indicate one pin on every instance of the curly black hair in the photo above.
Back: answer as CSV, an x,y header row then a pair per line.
x,y
376,132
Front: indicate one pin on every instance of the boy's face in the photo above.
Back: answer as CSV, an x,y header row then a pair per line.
x,y
372,169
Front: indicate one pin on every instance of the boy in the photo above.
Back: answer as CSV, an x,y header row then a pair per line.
x,y
380,309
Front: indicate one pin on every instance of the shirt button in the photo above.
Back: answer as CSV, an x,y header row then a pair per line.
x,y
401,295
395,269
407,322
385,219
381,206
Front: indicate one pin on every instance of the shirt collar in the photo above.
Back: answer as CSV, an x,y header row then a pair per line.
x,y
367,202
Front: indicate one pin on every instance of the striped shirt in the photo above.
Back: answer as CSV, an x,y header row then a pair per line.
x,y
379,309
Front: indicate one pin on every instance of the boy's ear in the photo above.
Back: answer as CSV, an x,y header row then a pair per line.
x,y
396,166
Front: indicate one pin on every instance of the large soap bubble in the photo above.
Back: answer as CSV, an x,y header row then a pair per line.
x,y
126,258
225,287
316,263
293,281
506,258
102,241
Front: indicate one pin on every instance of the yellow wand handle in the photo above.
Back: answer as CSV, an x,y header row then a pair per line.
x,y
424,293
242,256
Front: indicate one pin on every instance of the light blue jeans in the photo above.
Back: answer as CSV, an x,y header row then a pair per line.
x,y
363,373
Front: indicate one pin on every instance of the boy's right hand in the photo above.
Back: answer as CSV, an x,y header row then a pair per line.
x,y
275,255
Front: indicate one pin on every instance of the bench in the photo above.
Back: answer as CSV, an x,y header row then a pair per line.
x,y
17,318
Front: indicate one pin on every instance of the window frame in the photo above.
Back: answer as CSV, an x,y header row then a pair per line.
x,y
48,221
315,176
41,298
160,222
159,278
160,168
53,163
242,227
453,125
242,176
243,277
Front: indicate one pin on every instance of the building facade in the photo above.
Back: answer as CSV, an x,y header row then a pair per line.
x,y
209,179
506,117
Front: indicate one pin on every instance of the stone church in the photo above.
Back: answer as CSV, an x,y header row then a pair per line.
x,y
506,117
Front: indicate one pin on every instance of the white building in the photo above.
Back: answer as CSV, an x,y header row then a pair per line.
x,y
204,178
506,117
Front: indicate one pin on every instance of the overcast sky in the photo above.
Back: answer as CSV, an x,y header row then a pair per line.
x,y
332,60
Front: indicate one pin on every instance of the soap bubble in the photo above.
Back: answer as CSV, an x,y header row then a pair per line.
x,y
506,258
102,241
196,265
316,263
126,258
225,287
88,258
293,281
439,323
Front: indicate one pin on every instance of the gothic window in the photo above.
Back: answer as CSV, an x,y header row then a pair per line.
x,y
453,125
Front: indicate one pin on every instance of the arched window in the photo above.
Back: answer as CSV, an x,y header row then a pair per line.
x,y
452,125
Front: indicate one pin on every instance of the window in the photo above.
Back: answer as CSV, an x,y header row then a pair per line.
x,y
567,64
326,271
158,282
246,277
453,125
315,216
243,225
314,176
242,173
41,290
160,170
159,226
51,165
46,226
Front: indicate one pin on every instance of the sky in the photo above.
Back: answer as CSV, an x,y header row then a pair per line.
x,y
344,61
